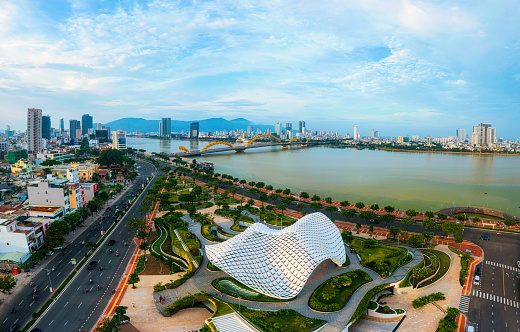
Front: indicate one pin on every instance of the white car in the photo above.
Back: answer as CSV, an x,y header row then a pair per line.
x,y
476,281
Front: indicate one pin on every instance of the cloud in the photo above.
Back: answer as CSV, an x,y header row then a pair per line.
x,y
457,82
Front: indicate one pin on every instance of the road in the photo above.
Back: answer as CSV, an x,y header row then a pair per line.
x,y
494,304
23,302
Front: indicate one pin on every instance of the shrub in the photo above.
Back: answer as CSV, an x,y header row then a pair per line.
x,y
422,301
371,243
159,287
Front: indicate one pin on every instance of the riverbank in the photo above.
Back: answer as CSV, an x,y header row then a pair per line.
x,y
455,152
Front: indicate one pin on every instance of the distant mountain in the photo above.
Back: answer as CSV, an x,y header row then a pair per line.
x,y
213,124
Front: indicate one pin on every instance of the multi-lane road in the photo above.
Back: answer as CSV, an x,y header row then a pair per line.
x,y
74,309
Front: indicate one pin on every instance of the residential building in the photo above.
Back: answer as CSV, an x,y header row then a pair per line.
x,y
77,196
288,126
46,126
194,130
429,140
74,127
483,135
278,129
53,193
14,155
101,135
355,137
47,211
91,190
70,174
58,155
301,126
400,139
4,147
62,125
34,131
372,134
86,124
22,166
165,127
461,135
119,140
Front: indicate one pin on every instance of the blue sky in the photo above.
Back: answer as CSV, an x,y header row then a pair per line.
x,y
400,67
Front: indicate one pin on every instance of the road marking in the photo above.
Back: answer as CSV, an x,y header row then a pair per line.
x,y
66,304
30,305
51,322
5,320
65,323
80,305
21,302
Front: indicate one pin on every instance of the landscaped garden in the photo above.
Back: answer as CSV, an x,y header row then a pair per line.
x,y
383,259
334,293
445,262
236,289
281,320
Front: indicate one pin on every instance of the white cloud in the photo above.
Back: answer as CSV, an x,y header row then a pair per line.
x,y
457,82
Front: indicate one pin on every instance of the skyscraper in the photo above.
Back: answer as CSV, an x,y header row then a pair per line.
x,y
74,125
86,123
62,125
165,127
34,131
301,125
278,129
483,135
288,126
461,134
372,133
355,133
194,130
46,126
119,140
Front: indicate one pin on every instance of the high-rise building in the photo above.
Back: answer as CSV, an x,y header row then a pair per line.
x,y
483,135
74,125
268,131
400,139
62,125
249,129
86,124
194,130
119,140
376,134
429,140
46,126
355,133
372,133
288,126
461,134
278,129
165,127
301,126
34,131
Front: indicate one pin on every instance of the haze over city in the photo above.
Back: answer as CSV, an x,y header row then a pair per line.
x,y
403,67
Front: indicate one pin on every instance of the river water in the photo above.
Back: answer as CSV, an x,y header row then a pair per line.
x,y
422,181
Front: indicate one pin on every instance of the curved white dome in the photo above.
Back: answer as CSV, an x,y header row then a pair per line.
x,y
278,263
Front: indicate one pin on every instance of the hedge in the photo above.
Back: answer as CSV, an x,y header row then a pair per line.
x,y
185,302
422,301
363,304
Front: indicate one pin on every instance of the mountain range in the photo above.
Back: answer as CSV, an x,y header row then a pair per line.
x,y
212,124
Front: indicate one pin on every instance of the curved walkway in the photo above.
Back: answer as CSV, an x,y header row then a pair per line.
x,y
337,320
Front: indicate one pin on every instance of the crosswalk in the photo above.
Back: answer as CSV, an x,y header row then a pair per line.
x,y
464,304
495,298
509,267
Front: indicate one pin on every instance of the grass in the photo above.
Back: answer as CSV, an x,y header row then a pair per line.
x,y
455,250
406,281
212,267
391,255
221,308
347,261
227,200
339,296
236,289
444,260
281,320
274,218
191,241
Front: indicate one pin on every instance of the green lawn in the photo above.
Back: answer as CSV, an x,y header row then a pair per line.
x,y
281,320
237,227
191,241
392,256
274,218
228,200
234,288
327,298
445,266
222,308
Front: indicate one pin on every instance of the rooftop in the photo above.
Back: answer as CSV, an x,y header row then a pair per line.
x,y
45,208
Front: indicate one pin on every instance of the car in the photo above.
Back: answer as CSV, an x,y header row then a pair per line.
x,y
477,271
485,237
14,327
111,242
92,265
476,281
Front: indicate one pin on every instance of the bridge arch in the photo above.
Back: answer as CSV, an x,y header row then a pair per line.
x,y
216,143
295,139
263,135
182,148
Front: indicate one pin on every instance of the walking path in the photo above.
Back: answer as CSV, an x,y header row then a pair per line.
x,y
337,320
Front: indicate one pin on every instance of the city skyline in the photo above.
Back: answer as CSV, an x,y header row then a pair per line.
x,y
403,67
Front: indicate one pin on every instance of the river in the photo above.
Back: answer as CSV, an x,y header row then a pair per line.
x,y
422,181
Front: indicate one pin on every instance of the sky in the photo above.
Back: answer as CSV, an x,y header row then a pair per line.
x,y
400,67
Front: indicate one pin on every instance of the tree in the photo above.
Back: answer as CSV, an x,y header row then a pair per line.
x,y
279,190
106,325
387,218
415,240
458,240
316,206
442,216
286,191
371,228
344,203
133,279
374,206
304,195
315,198
509,222
7,283
360,205
411,213
358,226
281,207
328,200
350,213
140,224
475,220
269,187
407,222
46,170
300,206
340,281
91,245
452,228
367,215
274,197
429,224
394,231
260,185
389,208
111,157
263,198
330,210
428,236
250,202
429,214
144,246
50,162
166,169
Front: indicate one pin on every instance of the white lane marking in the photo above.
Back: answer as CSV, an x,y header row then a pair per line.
x,y
51,322
80,304
66,304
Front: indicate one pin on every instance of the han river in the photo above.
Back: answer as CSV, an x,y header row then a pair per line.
x,y
422,181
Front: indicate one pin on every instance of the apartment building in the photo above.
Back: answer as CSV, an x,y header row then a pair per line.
x,y
53,193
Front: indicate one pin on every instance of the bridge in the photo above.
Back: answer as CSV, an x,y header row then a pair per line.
x,y
240,148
